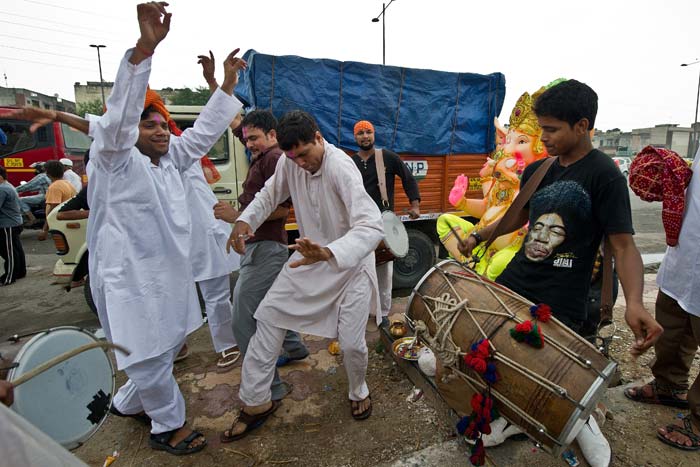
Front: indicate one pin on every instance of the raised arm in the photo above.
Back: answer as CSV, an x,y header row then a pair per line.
x,y
117,131
208,69
213,121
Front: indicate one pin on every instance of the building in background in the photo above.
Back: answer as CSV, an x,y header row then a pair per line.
x,y
628,143
22,97
90,92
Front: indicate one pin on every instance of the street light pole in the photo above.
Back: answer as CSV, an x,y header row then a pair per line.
x,y
376,20
697,103
99,63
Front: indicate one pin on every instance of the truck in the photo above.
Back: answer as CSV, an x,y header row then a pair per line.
x,y
19,148
440,123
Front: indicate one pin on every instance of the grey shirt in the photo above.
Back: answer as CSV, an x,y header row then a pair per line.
x,y
10,215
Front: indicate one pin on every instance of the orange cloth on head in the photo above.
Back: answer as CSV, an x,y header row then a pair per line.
x,y
154,100
362,125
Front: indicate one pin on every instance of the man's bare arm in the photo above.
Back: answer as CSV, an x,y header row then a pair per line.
x,y
73,215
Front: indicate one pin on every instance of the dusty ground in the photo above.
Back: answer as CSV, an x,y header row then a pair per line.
x,y
313,427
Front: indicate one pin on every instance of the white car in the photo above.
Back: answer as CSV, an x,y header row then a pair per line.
x,y
623,163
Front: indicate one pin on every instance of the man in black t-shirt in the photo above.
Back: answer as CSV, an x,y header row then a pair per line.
x,y
393,167
582,197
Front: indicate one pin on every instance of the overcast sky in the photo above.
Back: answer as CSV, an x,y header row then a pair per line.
x,y
629,51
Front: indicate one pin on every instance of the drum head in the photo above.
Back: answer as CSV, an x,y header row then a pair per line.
x,y
69,401
395,235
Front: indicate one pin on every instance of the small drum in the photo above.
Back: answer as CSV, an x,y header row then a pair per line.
x,y
395,243
69,401
549,392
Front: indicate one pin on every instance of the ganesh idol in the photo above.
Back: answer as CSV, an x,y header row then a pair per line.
x,y
516,148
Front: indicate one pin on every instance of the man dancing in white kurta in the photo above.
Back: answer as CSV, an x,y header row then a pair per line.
x,y
329,284
139,233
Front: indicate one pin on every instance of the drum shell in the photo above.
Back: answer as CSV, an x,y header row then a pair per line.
x,y
383,254
560,416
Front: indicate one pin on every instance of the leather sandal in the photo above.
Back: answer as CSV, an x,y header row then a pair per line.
x,y
161,442
250,421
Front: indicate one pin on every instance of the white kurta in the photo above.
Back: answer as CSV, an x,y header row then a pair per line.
x,y
678,275
139,225
74,179
333,209
209,235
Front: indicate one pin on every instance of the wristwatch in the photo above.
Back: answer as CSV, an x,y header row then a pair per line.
x,y
476,236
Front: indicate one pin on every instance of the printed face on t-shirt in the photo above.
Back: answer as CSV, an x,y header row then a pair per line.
x,y
545,235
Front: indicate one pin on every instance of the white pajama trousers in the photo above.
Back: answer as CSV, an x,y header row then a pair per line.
x,y
385,273
264,348
217,303
152,388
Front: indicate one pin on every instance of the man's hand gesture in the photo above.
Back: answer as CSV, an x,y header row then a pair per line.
x,y
153,29
208,68
38,117
645,328
312,252
232,65
240,233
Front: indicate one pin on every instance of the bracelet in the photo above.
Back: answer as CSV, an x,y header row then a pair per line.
x,y
142,50
476,236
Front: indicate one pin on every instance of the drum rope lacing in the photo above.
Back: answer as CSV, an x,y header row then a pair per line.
x,y
445,311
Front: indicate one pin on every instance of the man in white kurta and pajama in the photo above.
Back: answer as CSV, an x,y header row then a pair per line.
x,y
139,234
329,284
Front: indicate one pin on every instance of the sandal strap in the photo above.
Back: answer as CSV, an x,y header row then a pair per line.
x,y
185,443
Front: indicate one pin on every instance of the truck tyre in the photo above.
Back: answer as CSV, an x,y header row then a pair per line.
x,y
420,258
88,295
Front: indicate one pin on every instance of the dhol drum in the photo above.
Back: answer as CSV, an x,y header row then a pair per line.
x,y
395,243
69,401
549,392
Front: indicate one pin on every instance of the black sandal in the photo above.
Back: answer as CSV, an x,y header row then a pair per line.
x,y
139,417
636,394
686,430
362,415
251,422
161,442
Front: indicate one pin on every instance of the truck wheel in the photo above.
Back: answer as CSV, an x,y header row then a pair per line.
x,y
88,295
420,258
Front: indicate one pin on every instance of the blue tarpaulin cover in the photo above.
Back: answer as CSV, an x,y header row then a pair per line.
x,y
412,110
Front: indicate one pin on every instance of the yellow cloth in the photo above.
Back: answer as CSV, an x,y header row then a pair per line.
x,y
59,191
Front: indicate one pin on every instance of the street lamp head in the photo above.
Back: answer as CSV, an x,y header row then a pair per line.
x,y
97,46
375,20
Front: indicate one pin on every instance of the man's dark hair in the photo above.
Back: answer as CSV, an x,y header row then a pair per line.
x,y
261,119
296,127
148,111
54,169
3,172
569,101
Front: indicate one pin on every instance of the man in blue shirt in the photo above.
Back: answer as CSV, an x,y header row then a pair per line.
x,y
10,227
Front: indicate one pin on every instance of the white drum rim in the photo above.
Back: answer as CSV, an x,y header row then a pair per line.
x,y
395,218
23,350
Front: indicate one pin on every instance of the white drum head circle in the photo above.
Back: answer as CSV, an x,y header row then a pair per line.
x,y
69,401
395,235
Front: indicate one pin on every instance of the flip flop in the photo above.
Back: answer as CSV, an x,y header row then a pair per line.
x,y
251,422
362,415
228,358
160,442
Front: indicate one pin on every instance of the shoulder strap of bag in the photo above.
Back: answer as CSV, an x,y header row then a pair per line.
x,y
606,290
519,202
381,176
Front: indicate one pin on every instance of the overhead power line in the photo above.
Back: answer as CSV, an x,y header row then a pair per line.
x,y
61,7
48,29
47,53
34,18
47,63
43,42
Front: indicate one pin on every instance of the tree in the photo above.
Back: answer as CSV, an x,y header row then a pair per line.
x,y
187,96
92,107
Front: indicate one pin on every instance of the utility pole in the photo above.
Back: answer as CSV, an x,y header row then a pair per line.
x,y
99,63
376,20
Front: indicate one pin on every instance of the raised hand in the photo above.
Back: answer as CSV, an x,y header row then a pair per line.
x,y
312,252
208,67
38,117
153,29
232,65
